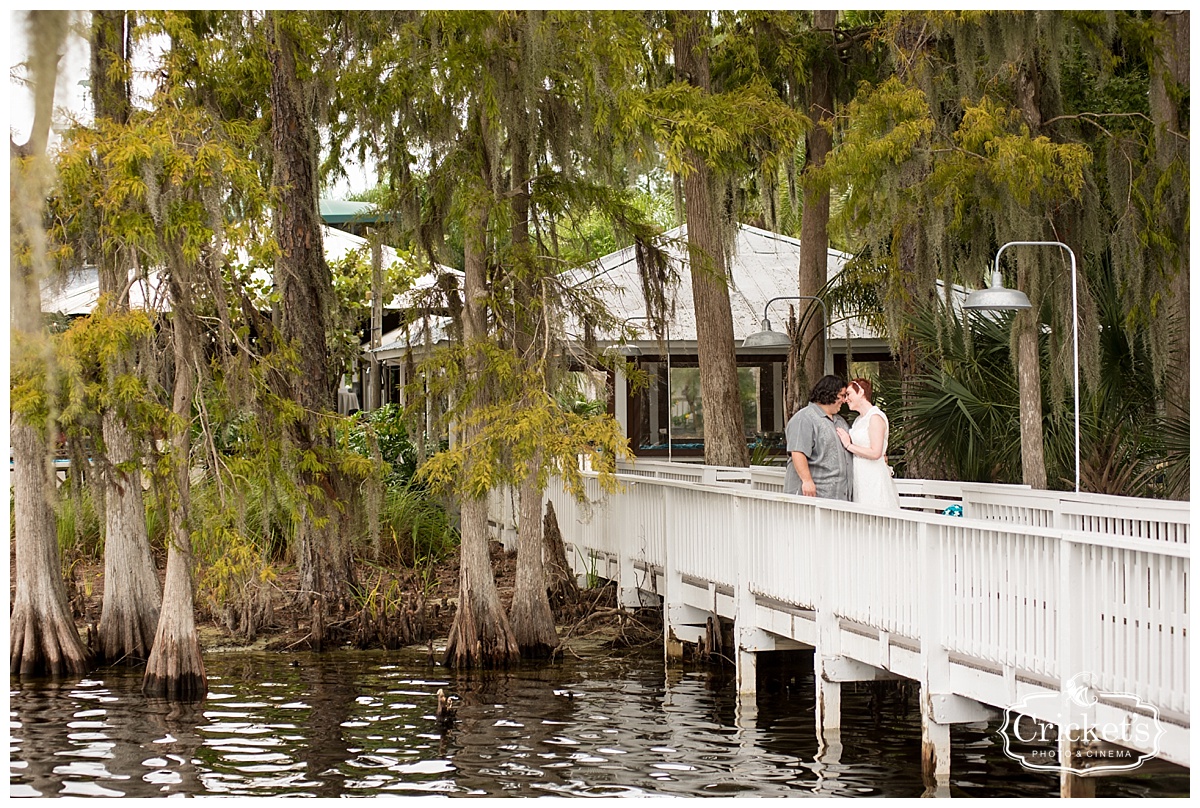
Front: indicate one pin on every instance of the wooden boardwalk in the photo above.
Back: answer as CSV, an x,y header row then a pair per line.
x,y
1023,601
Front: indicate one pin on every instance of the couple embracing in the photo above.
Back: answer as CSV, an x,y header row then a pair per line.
x,y
828,458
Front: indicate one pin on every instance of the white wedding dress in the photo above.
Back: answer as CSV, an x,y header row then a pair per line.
x,y
873,484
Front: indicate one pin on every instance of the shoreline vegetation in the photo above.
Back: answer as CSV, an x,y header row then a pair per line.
x,y
590,621
402,583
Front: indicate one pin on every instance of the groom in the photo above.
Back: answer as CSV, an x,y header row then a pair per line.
x,y
819,466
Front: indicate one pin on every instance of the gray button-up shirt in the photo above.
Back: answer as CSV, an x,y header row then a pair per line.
x,y
814,434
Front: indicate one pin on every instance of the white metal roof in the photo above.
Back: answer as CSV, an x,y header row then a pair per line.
x,y
76,292
395,342
764,265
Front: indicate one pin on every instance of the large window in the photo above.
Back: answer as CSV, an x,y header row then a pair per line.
x,y
687,407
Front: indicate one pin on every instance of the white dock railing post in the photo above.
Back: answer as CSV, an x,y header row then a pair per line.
x,y
828,712
828,694
631,527
1070,661
935,660
672,580
746,634
744,628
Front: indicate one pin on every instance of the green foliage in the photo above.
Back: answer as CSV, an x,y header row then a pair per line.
x,y
383,599
744,125
965,409
571,397
763,452
584,407
156,508
93,376
1130,446
352,294
218,54
1170,446
591,564
388,428
133,186
238,528
886,124
683,118
77,524
27,380
228,436
518,421
1000,126
81,376
1001,155
416,530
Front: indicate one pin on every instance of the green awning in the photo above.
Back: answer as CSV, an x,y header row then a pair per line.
x,y
335,211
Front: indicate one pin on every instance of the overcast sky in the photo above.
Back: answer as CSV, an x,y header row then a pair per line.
x,y
71,96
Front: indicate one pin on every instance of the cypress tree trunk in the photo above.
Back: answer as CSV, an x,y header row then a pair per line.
x,y
481,635
175,669
814,226
561,586
43,640
42,636
129,614
1029,386
910,253
1026,323
305,285
130,610
919,465
724,432
530,614
794,375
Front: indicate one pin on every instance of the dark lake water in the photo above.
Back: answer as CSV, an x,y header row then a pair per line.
x,y
362,724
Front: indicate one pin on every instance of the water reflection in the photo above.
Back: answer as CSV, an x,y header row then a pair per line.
x,y
362,723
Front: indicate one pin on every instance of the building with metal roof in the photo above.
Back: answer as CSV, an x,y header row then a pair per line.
x,y
763,266
667,419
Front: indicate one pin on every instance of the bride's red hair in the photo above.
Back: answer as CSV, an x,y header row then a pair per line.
x,y
864,387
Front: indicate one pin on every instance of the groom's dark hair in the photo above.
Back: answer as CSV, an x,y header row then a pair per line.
x,y
826,390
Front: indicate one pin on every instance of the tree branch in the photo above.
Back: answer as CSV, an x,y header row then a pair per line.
x,y
851,37
957,150
1088,116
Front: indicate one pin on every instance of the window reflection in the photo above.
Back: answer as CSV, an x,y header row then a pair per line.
x,y
684,407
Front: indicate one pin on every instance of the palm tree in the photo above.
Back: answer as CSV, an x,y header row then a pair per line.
x,y
964,412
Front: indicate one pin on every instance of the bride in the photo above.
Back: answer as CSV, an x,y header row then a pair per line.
x,y
867,440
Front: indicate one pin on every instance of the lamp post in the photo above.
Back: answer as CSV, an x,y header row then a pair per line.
x,y
997,298
777,339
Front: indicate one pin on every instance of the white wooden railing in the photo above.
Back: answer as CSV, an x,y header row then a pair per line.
x,y
1159,520
1039,583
